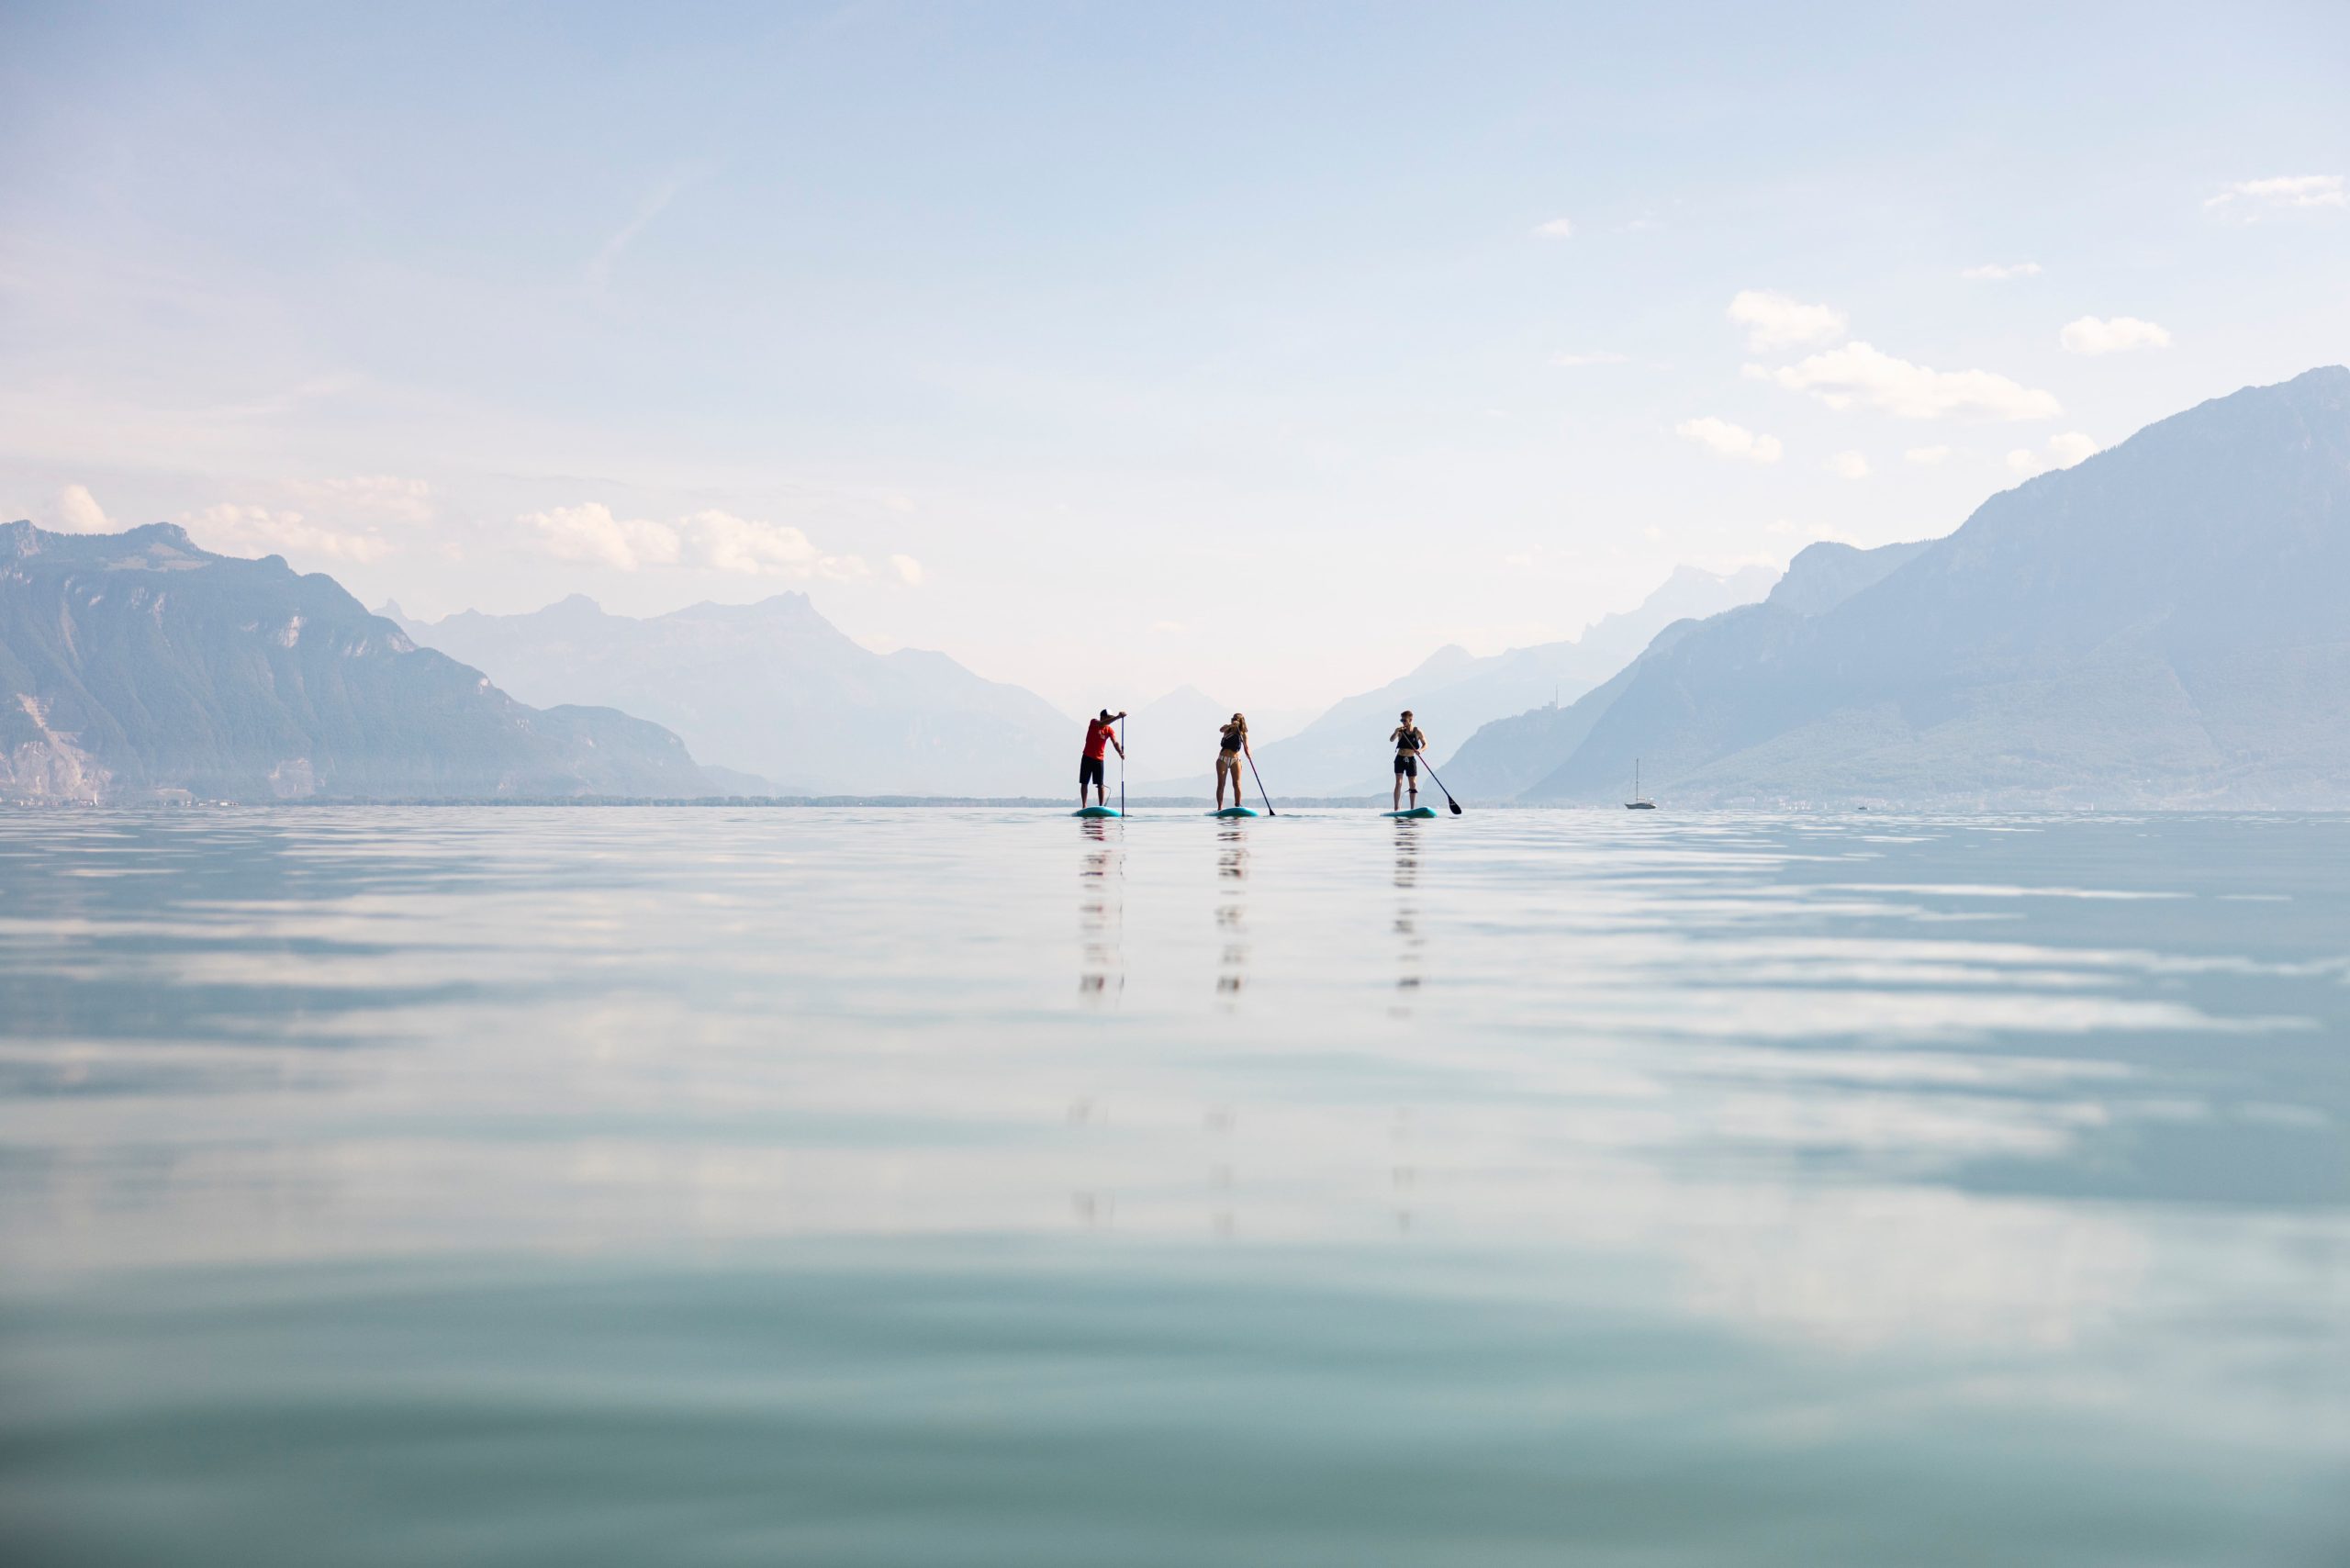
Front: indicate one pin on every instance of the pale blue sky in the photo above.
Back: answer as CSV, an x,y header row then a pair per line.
x,y
1217,344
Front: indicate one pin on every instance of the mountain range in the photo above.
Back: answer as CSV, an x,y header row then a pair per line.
x,y
778,700
1452,693
2164,624
137,664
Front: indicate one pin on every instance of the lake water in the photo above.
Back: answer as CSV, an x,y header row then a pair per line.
x,y
904,1187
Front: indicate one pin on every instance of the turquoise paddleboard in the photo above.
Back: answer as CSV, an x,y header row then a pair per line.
x,y
1413,815
1233,812
1097,812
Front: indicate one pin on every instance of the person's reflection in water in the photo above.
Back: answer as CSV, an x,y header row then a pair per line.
x,y
1411,951
1100,913
1231,916
1411,946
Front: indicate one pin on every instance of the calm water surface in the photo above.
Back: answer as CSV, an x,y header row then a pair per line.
x,y
869,1187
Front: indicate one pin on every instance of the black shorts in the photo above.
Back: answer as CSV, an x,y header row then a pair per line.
x,y
1089,771
1407,764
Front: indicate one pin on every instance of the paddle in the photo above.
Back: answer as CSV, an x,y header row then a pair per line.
x,y
1439,784
1122,765
1260,786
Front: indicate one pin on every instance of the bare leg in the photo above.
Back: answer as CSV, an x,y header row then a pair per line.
x,y
1395,796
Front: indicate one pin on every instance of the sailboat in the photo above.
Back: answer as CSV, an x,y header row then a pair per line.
x,y
1638,802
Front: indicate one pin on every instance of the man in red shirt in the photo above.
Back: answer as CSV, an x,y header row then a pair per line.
x,y
1099,733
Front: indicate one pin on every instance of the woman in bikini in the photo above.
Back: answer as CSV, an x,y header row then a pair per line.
x,y
1227,759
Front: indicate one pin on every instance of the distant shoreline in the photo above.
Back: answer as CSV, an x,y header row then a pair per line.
x,y
316,802
1155,802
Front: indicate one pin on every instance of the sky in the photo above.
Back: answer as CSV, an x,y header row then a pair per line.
x,y
1113,347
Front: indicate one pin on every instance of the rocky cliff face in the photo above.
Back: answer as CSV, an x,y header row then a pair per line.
x,y
137,665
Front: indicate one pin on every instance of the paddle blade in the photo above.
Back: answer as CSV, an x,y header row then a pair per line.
x,y
1454,805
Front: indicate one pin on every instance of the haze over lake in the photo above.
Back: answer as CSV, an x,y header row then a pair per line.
x,y
711,1186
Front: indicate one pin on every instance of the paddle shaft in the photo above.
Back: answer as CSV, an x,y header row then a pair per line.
x,y
1260,786
1122,765
1439,784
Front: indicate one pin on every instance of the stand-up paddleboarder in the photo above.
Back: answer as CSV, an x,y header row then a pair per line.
x,y
1234,746
1409,744
1099,736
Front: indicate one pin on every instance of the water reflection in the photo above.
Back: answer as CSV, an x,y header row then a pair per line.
x,y
1100,913
1411,945
1231,910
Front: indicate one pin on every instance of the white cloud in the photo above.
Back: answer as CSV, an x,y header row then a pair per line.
x,y
591,532
2070,448
1556,229
2062,452
709,541
1726,440
909,570
1773,320
236,530
77,511
1994,272
2090,335
723,543
2249,198
1848,465
1926,455
1859,374
375,494
1593,356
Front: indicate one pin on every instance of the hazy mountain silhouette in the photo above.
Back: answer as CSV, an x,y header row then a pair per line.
x,y
1453,692
1171,741
2165,624
1825,575
1510,754
137,663
773,690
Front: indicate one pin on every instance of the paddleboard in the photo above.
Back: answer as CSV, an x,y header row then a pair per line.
x,y
1413,815
1096,811
1233,812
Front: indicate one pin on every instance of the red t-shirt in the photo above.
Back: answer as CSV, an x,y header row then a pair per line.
x,y
1097,737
